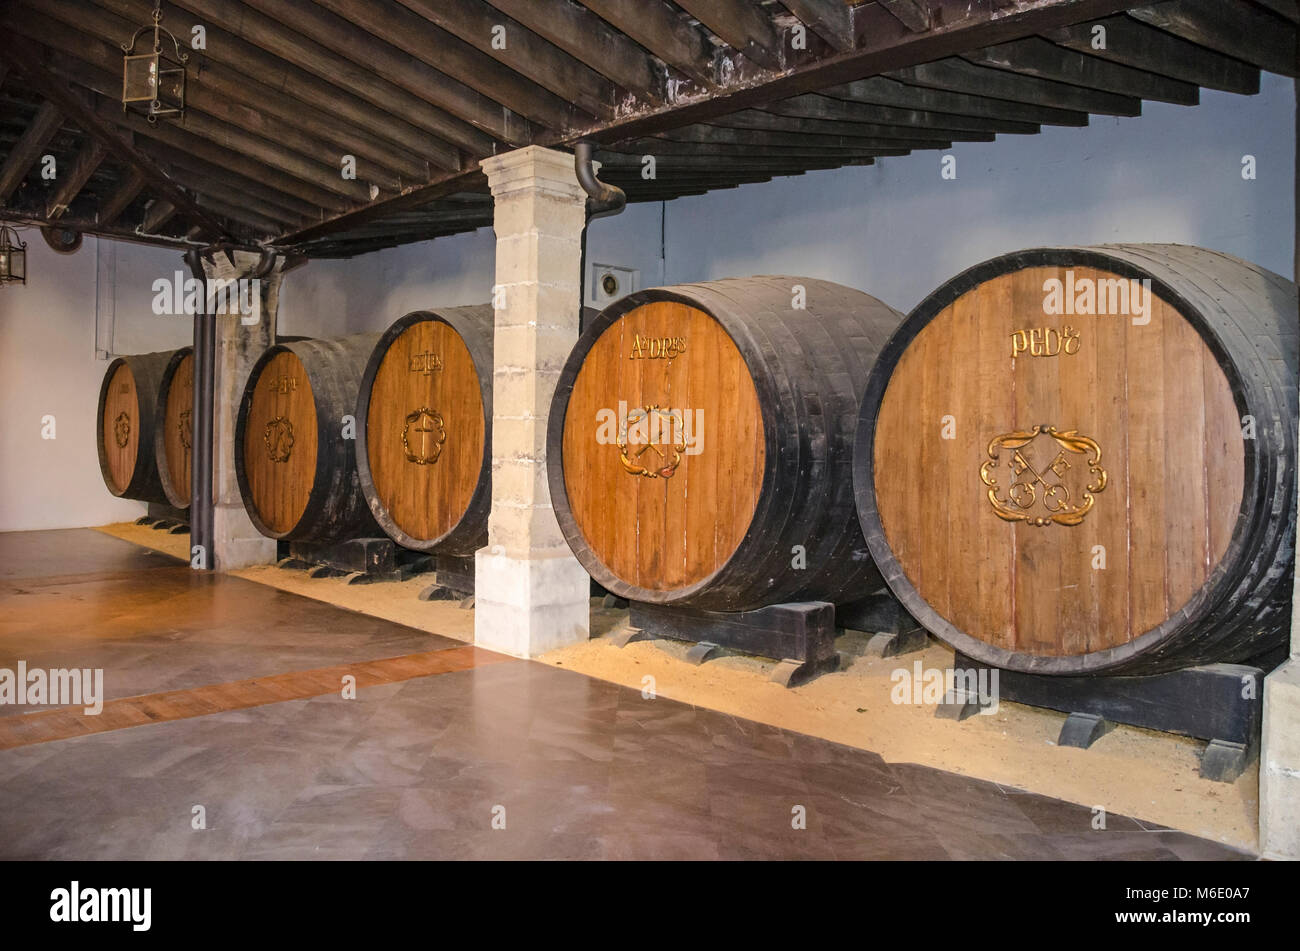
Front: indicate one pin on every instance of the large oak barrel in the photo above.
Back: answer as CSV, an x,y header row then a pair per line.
x,y
424,429
173,428
294,454
700,443
1080,460
125,426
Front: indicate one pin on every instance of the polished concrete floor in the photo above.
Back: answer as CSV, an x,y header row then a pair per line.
x,y
226,712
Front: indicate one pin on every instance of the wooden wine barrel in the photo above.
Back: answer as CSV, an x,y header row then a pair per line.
x,y
1054,479
173,428
700,443
424,425
125,426
295,463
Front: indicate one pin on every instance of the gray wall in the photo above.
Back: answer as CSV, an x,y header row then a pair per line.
x,y
895,230
48,367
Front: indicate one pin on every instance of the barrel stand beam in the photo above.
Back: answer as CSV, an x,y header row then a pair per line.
x,y
531,593
1279,768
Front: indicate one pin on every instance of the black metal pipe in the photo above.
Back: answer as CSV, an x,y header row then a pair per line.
x,y
603,199
202,529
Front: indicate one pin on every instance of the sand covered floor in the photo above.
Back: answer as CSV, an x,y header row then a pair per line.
x,y
1150,776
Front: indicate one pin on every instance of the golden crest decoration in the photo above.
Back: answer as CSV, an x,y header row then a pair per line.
x,y
122,430
430,433
669,455
1034,496
278,437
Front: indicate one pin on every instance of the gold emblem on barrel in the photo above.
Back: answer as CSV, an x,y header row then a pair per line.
x,y
278,437
186,426
1043,496
657,423
429,434
122,430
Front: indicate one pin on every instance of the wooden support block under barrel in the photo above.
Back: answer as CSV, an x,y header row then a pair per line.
x,y
1222,703
800,636
361,560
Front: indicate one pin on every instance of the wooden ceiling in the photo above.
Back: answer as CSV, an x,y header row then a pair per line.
x,y
720,92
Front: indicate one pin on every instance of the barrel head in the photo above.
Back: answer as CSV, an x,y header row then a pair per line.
x,y
1058,462
425,431
663,447
120,428
280,443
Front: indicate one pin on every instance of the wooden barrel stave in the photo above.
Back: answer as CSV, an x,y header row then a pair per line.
x,y
1244,316
334,508
474,325
140,479
807,368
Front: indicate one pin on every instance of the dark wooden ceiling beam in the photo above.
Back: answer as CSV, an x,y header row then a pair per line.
x,y
226,93
1237,29
418,38
826,107
658,28
772,122
188,170
884,45
587,38
913,14
1132,43
1290,9
127,191
318,183
71,182
957,75
830,19
882,91
743,25
525,52
248,24
261,219
71,104
156,214
295,88
750,138
224,126
222,157
772,149
1035,56
619,161
437,87
28,149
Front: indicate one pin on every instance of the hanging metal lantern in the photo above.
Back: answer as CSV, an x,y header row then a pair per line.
x,y
13,257
153,82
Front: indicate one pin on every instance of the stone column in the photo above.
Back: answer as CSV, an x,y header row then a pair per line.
x,y
531,594
241,338
1279,757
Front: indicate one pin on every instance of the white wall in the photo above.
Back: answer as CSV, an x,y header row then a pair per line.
x,y
895,230
48,367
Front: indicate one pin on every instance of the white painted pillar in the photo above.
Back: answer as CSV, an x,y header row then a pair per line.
x,y
1279,757
236,542
531,594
